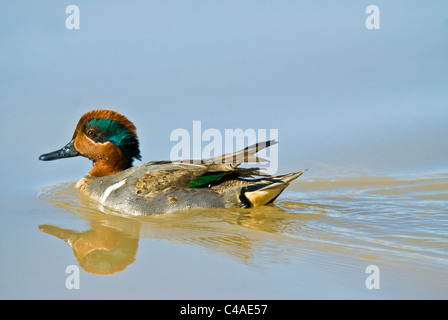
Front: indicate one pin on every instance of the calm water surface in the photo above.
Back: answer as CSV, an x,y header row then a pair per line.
x,y
316,242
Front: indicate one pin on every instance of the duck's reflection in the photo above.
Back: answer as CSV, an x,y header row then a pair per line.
x,y
111,243
100,250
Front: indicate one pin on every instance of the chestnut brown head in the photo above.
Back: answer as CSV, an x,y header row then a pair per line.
x,y
107,138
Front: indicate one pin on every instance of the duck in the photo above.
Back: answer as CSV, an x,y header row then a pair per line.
x,y
110,141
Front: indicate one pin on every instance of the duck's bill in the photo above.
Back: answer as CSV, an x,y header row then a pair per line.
x,y
67,152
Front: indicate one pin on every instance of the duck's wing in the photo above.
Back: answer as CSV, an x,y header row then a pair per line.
x,y
160,175
243,156
155,177
229,161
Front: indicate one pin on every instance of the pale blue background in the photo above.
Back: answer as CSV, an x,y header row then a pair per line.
x,y
342,97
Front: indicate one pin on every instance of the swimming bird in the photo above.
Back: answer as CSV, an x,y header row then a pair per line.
x,y
110,141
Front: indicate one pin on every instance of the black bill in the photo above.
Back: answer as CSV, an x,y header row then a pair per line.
x,y
66,152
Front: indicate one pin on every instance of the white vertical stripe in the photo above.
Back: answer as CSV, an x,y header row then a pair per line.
x,y
112,188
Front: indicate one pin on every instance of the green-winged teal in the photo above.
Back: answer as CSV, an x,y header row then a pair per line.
x,y
109,139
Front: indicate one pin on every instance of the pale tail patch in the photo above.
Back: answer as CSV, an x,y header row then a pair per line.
x,y
261,197
268,193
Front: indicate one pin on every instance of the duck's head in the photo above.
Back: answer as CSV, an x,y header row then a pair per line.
x,y
107,138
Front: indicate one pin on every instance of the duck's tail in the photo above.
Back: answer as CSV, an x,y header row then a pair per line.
x,y
266,190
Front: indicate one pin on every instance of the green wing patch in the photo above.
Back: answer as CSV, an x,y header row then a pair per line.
x,y
206,179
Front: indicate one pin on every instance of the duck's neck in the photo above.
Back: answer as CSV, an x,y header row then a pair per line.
x,y
105,168
107,158
109,161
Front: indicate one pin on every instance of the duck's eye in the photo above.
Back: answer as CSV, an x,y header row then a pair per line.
x,y
91,133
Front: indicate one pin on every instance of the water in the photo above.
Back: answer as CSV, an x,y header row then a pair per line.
x,y
316,242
